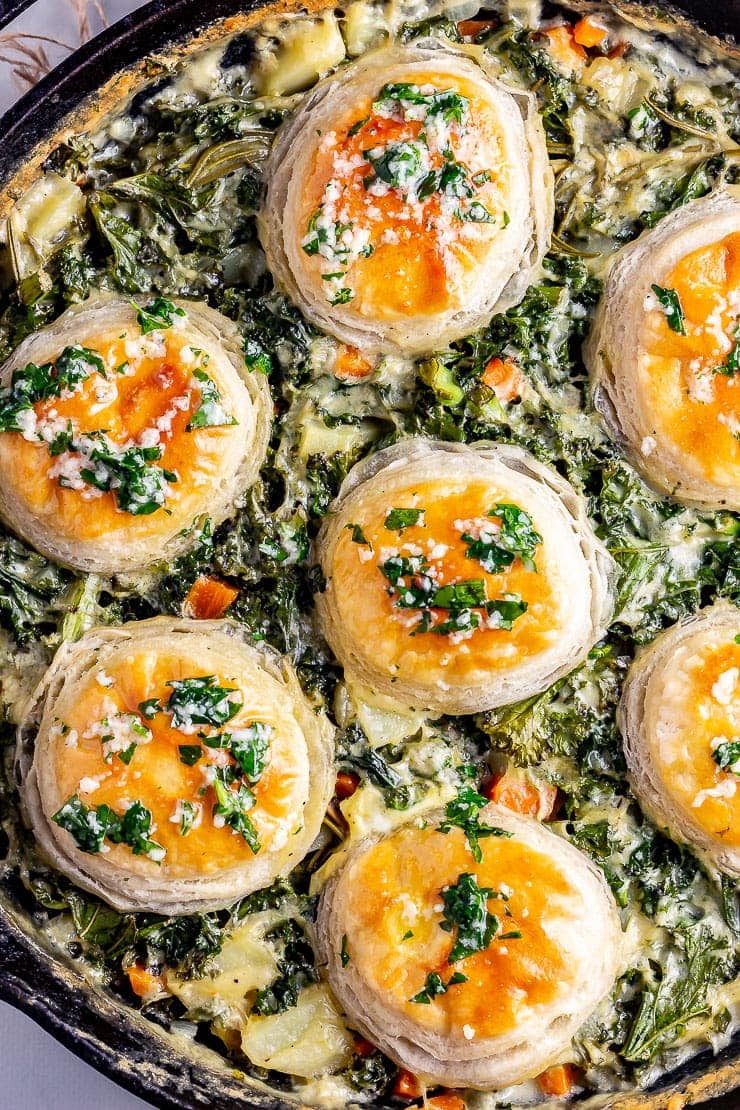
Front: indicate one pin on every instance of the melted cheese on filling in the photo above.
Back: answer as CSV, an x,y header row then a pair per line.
x,y
157,777
395,888
147,398
411,245
699,713
694,407
389,633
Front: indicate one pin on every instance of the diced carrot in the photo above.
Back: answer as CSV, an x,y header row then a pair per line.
x,y
504,377
447,1101
347,783
407,1085
589,32
209,598
564,49
363,1047
522,796
619,50
144,983
469,29
350,365
559,1080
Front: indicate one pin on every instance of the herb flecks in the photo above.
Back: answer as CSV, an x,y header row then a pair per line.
x,y
466,915
672,308
159,315
463,813
434,986
90,826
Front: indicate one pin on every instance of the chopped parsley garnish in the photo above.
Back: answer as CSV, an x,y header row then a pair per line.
x,y
344,954
190,754
358,536
187,812
407,935
466,915
201,701
399,165
731,365
157,316
497,547
434,986
475,213
139,488
672,307
342,296
462,812
256,357
91,825
450,105
150,708
248,746
35,383
414,588
399,519
234,807
727,756
210,413
88,825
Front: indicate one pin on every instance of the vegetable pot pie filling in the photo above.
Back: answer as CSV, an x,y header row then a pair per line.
x,y
445,575
472,954
681,719
132,422
173,752
406,194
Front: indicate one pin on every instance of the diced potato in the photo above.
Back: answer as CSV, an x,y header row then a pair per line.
x,y
245,964
45,216
317,439
363,28
309,1039
614,80
382,720
306,50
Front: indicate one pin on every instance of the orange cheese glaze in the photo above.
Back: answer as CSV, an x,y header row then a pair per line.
x,y
416,267
693,408
702,696
129,404
395,887
366,608
159,779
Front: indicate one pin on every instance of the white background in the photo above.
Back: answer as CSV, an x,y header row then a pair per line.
x,y
36,1073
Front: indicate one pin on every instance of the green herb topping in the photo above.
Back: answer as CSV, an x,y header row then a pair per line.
x,y
399,519
210,413
434,986
672,307
40,383
157,316
727,756
91,825
201,701
497,546
462,812
466,915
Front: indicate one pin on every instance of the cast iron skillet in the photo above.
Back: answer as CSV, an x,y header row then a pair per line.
x,y
170,1072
